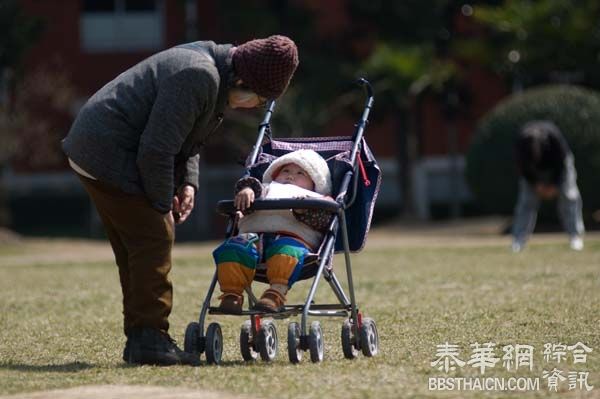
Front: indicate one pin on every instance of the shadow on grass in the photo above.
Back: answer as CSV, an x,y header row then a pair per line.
x,y
203,363
48,368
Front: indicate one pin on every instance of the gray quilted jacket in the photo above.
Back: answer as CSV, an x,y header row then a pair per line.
x,y
143,130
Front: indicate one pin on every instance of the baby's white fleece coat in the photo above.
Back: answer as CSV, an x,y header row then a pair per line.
x,y
281,221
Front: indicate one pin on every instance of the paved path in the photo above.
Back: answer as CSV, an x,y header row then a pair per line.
x,y
125,391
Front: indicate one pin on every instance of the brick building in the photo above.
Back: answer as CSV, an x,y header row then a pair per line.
x,y
92,41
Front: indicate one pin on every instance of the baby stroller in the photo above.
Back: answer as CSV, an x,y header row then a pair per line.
x,y
356,178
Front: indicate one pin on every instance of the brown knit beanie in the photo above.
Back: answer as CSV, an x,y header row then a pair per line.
x,y
266,65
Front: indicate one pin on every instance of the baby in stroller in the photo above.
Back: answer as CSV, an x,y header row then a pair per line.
x,y
281,237
290,231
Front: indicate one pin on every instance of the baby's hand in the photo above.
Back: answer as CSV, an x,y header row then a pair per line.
x,y
244,199
300,211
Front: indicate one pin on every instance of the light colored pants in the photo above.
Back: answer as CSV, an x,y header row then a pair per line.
x,y
569,206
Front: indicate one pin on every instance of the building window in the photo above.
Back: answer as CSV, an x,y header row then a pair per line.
x,y
121,25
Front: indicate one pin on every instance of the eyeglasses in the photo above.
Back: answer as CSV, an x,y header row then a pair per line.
x,y
262,102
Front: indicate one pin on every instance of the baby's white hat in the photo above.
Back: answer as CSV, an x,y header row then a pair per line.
x,y
308,160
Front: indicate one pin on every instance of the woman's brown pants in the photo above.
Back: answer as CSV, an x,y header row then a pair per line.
x,y
141,239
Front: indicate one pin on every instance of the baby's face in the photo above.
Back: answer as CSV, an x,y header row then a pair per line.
x,y
294,174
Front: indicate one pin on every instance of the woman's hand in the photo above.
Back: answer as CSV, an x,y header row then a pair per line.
x,y
183,203
244,199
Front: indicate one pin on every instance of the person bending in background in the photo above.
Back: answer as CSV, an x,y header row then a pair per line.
x,y
546,168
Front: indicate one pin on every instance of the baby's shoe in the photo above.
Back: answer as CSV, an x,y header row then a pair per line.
x,y
231,303
576,243
271,301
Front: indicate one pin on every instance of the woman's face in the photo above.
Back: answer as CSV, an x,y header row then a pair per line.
x,y
244,98
294,174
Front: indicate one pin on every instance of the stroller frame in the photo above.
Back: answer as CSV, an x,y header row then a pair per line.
x,y
258,336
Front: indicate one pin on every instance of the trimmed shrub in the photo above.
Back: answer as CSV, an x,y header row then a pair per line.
x,y
491,171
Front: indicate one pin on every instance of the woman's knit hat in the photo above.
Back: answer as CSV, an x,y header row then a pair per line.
x,y
309,161
266,65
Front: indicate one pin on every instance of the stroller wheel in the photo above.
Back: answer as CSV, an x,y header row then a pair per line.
x,y
214,344
247,342
315,342
348,340
294,351
369,339
191,341
267,341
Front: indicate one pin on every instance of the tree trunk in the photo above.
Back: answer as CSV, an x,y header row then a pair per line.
x,y
407,155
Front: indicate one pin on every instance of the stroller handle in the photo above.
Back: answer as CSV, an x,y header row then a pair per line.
x,y
365,83
263,129
364,118
227,207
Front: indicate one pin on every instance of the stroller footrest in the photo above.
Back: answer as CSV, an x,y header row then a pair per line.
x,y
328,313
289,311
292,310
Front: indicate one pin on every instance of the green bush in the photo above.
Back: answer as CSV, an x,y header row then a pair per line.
x,y
491,171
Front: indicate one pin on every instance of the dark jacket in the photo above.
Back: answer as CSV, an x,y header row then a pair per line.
x,y
143,130
541,151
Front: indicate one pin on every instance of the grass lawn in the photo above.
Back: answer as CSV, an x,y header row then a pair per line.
x,y
61,319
